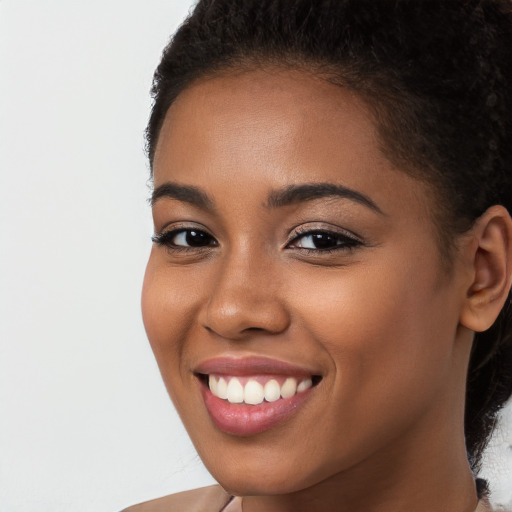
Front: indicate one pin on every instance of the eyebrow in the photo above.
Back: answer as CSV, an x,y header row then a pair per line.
x,y
286,196
293,194
185,193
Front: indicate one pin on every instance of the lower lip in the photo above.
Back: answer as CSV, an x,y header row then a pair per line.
x,y
246,420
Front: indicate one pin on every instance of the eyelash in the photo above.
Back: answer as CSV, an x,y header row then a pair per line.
x,y
166,239
346,241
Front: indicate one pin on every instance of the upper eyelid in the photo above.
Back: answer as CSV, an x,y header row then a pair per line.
x,y
302,230
182,226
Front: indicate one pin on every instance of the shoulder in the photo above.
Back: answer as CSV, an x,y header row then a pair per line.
x,y
205,499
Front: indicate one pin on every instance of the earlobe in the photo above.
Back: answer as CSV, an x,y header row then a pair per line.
x,y
492,269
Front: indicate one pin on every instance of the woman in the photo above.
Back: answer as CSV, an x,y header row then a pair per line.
x,y
331,185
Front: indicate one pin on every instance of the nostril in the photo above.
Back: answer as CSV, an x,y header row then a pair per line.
x,y
235,311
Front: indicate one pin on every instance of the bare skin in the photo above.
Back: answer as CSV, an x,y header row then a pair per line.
x,y
350,286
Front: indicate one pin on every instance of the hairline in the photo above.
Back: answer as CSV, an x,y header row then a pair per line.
x,y
447,229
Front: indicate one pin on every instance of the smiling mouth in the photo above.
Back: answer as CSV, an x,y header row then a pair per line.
x,y
258,389
249,405
249,395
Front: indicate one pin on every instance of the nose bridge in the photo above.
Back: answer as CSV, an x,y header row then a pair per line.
x,y
245,295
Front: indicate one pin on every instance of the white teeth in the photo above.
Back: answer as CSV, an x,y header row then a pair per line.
x,y
253,393
289,388
272,391
305,384
212,382
222,389
235,391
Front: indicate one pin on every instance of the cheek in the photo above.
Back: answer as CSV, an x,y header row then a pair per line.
x,y
388,332
168,308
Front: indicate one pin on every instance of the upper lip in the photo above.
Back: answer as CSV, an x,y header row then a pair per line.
x,y
251,365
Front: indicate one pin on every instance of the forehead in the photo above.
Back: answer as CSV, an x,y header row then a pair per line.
x,y
274,111
267,128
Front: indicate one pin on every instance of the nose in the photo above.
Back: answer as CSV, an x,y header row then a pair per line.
x,y
245,299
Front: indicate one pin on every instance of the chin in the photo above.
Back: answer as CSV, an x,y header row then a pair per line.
x,y
265,474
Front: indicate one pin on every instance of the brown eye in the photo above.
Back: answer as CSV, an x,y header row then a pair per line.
x,y
323,240
185,238
192,238
318,241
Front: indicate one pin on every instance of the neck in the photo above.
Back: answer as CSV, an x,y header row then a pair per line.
x,y
423,470
420,484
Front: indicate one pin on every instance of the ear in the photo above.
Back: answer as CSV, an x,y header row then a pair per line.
x,y
491,269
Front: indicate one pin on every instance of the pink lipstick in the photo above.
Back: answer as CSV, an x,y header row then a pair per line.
x,y
246,396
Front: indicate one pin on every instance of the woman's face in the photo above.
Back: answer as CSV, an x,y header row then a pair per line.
x,y
291,252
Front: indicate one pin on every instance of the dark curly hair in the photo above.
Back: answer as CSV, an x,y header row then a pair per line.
x,y
436,74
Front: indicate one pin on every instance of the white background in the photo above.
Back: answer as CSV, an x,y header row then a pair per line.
x,y
85,423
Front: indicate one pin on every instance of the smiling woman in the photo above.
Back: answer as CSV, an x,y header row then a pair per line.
x,y
331,230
